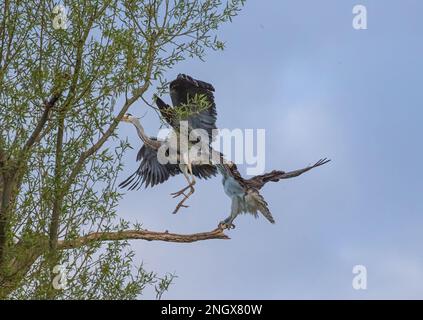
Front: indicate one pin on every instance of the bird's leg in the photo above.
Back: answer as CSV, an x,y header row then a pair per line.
x,y
190,186
184,169
227,223
180,192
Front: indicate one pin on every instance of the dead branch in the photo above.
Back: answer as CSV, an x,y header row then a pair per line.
x,y
141,235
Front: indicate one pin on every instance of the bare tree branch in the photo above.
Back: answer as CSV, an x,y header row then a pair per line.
x,y
48,105
2,152
13,178
112,127
141,235
58,199
32,250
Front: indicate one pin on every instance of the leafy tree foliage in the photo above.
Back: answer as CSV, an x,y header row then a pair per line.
x,y
59,153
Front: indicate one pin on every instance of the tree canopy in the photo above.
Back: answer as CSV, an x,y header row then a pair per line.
x,y
61,75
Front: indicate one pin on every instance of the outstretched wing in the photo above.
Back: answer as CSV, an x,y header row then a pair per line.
x,y
186,91
259,181
296,173
150,172
274,176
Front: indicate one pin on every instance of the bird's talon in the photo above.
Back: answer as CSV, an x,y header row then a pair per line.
x,y
224,225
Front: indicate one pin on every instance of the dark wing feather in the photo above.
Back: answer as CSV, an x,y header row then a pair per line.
x,y
150,172
232,170
298,172
259,181
204,171
166,111
183,90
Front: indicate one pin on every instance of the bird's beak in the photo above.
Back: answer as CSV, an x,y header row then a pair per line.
x,y
125,118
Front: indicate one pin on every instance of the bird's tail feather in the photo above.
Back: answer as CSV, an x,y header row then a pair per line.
x,y
264,209
256,203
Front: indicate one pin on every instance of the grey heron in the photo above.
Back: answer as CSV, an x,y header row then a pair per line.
x,y
150,171
193,103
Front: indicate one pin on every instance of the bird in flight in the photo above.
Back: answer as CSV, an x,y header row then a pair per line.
x,y
151,171
245,193
193,104
196,98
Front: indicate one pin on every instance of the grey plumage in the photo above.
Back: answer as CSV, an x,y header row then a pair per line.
x,y
193,102
150,171
245,193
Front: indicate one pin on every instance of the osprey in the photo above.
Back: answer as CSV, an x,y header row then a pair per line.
x,y
245,193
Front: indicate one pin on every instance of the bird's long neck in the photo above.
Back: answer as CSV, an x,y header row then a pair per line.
x,y
146,139
140,130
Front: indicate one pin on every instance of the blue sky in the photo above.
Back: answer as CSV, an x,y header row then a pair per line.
x,y
320,89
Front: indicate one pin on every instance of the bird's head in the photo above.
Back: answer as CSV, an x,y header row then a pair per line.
x,y
231,165
128,118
